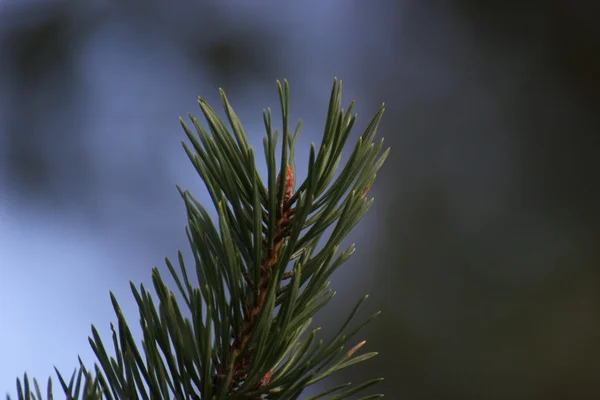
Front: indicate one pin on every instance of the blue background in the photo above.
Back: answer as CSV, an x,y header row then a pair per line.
x,y
482,246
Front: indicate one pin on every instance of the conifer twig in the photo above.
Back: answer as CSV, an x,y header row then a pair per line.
x,y
241,335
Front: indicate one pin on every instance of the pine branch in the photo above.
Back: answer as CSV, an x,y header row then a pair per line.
x,y
246,335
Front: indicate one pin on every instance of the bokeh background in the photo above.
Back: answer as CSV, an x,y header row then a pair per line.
x,y
481,249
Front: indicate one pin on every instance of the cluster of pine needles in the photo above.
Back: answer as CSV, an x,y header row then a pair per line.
x,y
258,274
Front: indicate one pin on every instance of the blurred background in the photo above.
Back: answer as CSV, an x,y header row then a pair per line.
x,y
481,248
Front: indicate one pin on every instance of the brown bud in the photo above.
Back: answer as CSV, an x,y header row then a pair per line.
x,y
364,195
289,183
266,379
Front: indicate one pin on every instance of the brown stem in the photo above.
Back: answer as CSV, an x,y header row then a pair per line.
x,y
243,353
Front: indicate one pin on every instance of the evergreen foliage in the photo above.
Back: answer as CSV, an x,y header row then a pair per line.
x,y
259,274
